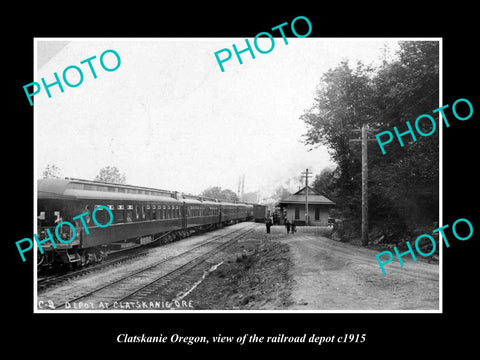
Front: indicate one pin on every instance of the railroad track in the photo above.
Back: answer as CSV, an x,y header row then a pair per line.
x,y
48,281
114,258
136,285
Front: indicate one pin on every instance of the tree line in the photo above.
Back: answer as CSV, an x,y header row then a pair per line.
x,y
403,185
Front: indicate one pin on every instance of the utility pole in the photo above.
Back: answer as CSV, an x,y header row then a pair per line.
x,y
307,175
243,186
239,185
364,140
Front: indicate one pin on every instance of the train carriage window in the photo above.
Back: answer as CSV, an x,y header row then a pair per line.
x,y
143,212
118,214
147,212
101,215
137,215
178,211
129,213
87,217
168,212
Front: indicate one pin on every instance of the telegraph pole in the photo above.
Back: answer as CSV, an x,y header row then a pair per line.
x,y
307,175
364,140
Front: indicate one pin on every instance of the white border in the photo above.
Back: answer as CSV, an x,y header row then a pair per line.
x,y
170,311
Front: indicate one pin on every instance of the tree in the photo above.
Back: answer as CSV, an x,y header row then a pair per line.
x,y
110,174
403,185
52,171
324,183
217,193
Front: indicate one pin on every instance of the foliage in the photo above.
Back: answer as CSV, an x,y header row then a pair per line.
x,y
218,193
111,174
325,182
52,171
403,184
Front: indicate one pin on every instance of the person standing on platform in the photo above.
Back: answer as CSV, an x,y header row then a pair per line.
x,y
268,224
287,225
294,227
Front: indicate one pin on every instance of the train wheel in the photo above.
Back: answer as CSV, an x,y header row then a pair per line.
x,y
83,260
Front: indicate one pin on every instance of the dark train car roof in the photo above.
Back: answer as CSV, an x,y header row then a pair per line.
x,y
71,189
76,189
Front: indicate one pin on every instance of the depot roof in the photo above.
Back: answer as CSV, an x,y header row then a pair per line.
x,y
314,197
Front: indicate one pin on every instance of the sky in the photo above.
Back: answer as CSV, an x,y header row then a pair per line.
x,y
169,118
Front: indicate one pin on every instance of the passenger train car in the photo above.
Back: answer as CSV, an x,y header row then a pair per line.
x,y
140,215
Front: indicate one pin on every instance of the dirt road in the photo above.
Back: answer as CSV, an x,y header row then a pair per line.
x,y
330,275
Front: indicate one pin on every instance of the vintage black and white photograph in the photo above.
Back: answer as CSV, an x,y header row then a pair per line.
x,y
268,174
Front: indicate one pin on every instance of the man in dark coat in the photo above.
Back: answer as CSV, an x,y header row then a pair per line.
x,y
268,224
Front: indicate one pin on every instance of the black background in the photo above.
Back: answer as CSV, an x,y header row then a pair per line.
x,y
387,334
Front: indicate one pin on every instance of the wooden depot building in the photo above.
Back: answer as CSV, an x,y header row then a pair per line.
x,y
293,207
